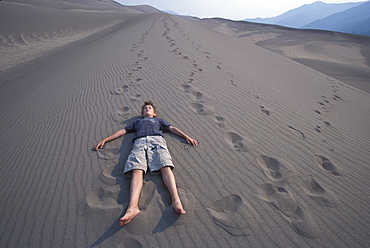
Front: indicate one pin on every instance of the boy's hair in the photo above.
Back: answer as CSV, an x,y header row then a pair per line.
x,y
149,103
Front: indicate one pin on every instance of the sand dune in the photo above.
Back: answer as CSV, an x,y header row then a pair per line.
x,y
282,160
32,28
341,56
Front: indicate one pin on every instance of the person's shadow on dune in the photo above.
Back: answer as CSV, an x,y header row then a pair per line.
x,y
169,216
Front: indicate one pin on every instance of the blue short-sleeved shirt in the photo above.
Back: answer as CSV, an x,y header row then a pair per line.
x,y
148,126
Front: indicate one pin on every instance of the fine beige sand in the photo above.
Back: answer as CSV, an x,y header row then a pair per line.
x,y
283,159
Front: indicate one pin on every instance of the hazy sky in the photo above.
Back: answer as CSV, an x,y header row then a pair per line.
x,y
230,9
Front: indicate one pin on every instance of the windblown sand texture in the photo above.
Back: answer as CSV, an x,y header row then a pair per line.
x,y
283,154
342,56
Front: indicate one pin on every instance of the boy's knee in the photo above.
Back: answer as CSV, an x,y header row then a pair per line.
x,y
137,172
166,169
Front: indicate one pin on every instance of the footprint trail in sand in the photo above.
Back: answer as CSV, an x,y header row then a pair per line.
x,y
152,205
231,213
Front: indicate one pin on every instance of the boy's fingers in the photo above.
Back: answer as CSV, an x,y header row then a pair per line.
x,y
193,142
97,147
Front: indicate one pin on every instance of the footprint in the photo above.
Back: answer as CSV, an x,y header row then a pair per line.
x,y
176,51
265,111
220,121
103,198
196,66
186,87
327,165
323,197
199,96
135,98
106,176
230,214
202,109
301,133
119,90
325,99
190,80
121,114
304,224
142,55
238,142
336,97
281,199
135,81
277,169
301,222
108,153
194,93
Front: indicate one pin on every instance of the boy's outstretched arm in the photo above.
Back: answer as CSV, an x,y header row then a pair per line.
x,y
178,132
112,137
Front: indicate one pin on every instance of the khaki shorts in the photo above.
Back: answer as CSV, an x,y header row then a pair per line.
x,y
149,151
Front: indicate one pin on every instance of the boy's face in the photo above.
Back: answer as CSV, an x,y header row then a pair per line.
x,y
148,111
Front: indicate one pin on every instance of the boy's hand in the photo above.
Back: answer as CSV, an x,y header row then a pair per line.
x,y
116,135
99,145
192,142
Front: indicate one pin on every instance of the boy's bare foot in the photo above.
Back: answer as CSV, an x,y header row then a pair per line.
x,y
129,216
178,207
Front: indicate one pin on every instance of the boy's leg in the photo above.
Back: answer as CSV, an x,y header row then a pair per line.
x,y
170,182
135,190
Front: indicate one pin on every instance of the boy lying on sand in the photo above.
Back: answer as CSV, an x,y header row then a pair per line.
x,y
149,149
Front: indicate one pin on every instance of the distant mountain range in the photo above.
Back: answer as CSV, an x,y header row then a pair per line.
x,y
351,18
355,20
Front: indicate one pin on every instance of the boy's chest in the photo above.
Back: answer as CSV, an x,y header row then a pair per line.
x,y
147,123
